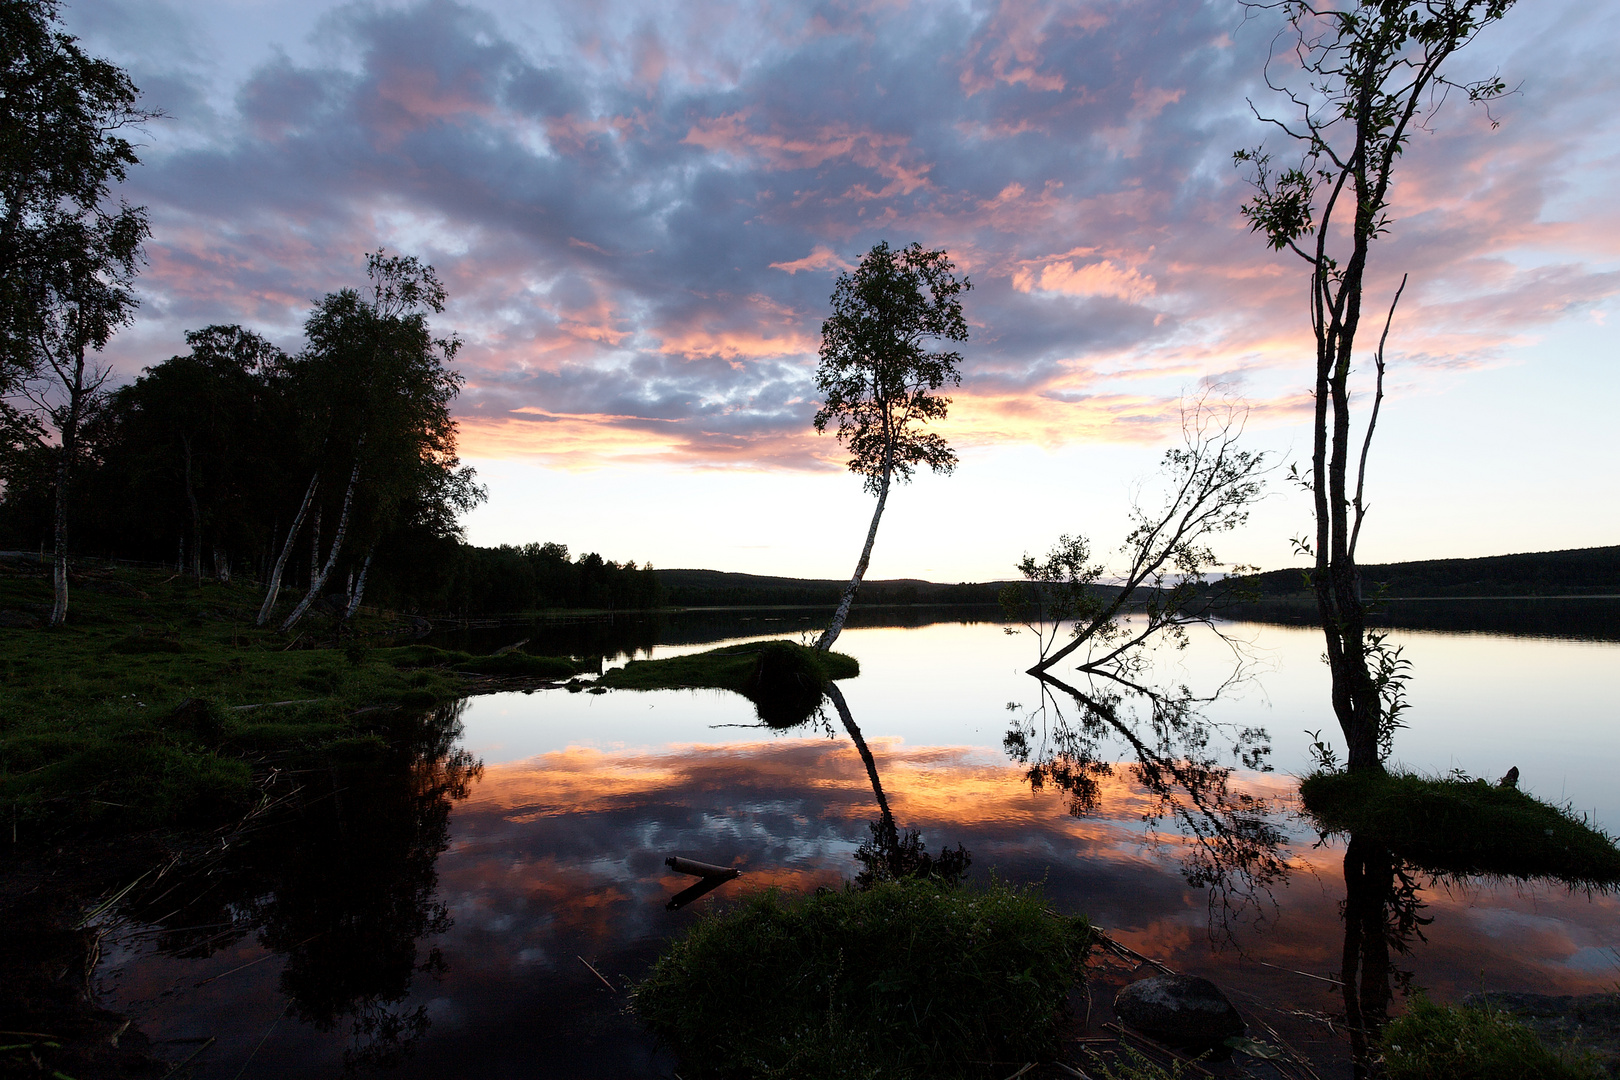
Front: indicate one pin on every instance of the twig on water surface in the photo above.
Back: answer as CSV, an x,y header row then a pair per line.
x,y
250,963
1127,953
107,904
1296,1057
598,974
1028,1066
1308,975
1071,1070
264,1037
193,1057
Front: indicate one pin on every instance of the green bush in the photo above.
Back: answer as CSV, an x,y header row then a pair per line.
x,y
1459,825
1445,1042
906,979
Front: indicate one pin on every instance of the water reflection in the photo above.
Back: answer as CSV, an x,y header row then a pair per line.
x,y
558,858
1236,850
888,854
338,877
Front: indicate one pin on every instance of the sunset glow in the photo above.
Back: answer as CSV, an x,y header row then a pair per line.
x,y
640,211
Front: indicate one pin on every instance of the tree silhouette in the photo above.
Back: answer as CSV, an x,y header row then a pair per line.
x,y
878,381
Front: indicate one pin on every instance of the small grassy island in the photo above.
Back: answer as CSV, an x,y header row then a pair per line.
x,y
784,680
1461,826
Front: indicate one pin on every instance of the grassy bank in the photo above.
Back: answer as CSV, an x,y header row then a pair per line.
x,y
1457,825
784,680
1473,1043
907,979
161,704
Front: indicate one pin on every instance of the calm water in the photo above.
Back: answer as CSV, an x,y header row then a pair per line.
x,y
437,920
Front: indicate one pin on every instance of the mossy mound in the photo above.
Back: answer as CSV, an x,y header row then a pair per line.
x,y
1472,1043
1462,826
523,665
907,979
783,679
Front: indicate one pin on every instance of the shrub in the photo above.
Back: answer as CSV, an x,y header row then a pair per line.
x,y
906,979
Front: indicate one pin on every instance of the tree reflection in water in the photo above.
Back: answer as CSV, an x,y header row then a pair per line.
x,y
1382,912
889,854
1236,850
338,876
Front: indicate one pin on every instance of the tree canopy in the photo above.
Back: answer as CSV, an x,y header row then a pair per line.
x,y
876,378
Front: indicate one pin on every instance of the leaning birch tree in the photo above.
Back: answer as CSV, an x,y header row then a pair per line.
x,y
1357,81
878,381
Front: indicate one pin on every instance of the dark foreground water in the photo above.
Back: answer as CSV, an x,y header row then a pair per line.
x,y
477,908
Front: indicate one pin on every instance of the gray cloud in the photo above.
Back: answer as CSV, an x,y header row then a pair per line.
x,y
606,191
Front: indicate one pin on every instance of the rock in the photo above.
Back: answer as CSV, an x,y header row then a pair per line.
x,y
1180,1009
18,620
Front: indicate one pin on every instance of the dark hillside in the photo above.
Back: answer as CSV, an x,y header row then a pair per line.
x,y
716,588
1578,571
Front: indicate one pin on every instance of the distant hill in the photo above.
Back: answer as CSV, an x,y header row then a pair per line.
x,y
1575,572
716,588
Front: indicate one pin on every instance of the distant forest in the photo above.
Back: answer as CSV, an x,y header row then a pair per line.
x,y
1575,572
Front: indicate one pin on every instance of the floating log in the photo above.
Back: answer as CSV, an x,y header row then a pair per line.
x,y
701,869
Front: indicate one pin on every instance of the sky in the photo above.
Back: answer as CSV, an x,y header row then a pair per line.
x,y
640,211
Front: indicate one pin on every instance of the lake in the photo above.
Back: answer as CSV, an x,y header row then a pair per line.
x,y
478,910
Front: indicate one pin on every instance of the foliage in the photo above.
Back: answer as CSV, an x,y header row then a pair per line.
x,y
1210,484
1459,825
1471,1043
876,379
906,979
62,114
891,854
1235,848
1359,80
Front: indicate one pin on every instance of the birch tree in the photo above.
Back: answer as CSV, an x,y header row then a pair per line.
x,y
878,381
68,257
61,152
1209,483
379,387
1359,79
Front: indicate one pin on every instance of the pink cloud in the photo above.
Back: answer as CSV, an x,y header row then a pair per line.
x,y
821,257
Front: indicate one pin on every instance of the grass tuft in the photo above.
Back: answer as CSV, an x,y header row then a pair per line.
x,y
906,979
1472,1043
1456,825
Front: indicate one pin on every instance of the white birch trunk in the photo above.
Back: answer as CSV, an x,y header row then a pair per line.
x,y
319,583
286,550
836,627
64,471
359,588
315,546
